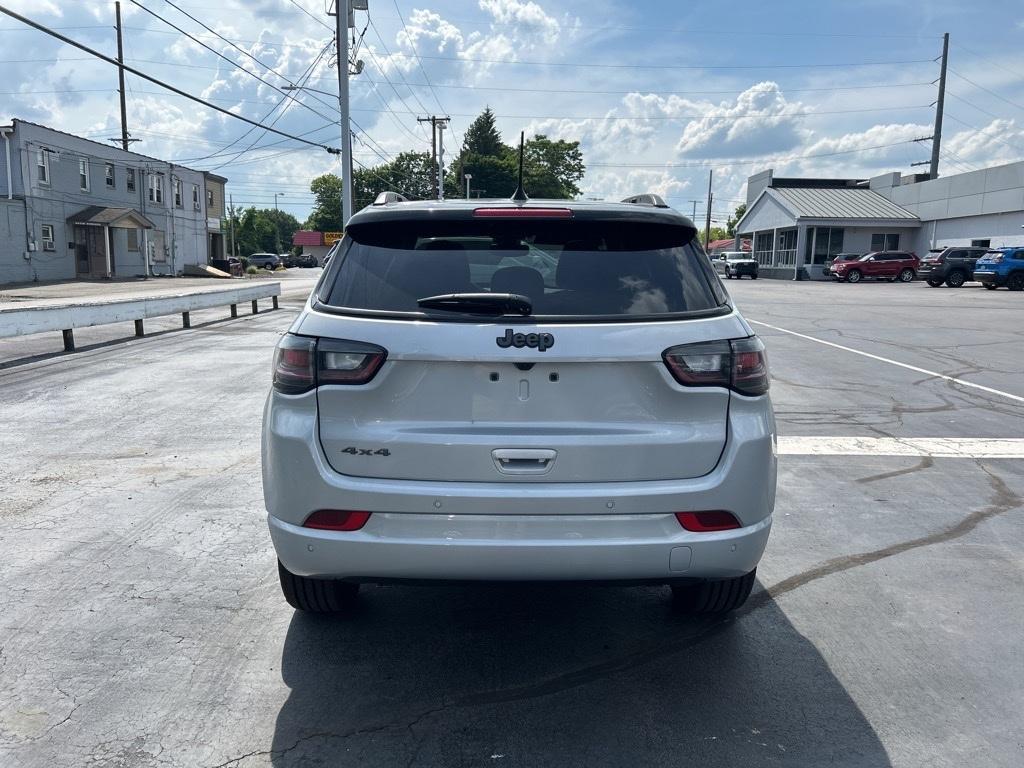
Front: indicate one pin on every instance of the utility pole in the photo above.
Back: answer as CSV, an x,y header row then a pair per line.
x,y
342,12
441,125
469,178
277,223
436,124
937,133
231,221
120,78
694,216
707,225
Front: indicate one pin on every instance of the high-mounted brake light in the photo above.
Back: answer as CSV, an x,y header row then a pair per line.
x,y
708,522
740,365
522,213
336,520
302,363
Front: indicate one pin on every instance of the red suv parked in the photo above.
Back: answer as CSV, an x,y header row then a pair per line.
x,y
880,265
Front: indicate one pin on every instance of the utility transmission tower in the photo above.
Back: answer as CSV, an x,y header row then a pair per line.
x,y
437,125
344,21
936,137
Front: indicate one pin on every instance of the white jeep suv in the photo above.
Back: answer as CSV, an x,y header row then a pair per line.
x,y
525,391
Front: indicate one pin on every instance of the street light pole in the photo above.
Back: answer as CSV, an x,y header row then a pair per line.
x,y
342,9
277,223
469,178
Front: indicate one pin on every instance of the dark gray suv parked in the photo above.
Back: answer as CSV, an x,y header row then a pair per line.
x,y
953,266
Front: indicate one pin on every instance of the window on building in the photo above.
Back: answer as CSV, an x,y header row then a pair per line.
x,y
982,243
156,188
83,174
129,179
786,255
209,198
43,166
195,197
110,175
885,242
46,232
763,248
133,239
177,193
826,243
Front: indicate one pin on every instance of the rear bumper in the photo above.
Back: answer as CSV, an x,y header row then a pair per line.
x,y
519,548
516,531
930,272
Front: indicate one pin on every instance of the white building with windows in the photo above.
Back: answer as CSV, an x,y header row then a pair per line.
x,y
798,225
75,208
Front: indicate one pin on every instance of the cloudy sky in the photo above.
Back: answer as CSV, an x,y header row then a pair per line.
x,y
658,92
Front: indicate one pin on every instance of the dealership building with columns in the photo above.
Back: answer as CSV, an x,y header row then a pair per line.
x,y
798,225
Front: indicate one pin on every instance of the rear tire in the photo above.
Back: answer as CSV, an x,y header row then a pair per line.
x,y
719,596
316,595
906,275
854,276
956,279
1015,282
935,284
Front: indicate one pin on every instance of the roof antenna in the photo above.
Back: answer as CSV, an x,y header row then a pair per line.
x,y
519,195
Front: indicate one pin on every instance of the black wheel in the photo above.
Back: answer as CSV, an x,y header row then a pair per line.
x,y
713,596
753,277
728,276
935,283
956,279
316,595
906,275
854,276
989,286
1015,282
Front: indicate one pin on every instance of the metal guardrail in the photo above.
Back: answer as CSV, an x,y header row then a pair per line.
x,y
16,321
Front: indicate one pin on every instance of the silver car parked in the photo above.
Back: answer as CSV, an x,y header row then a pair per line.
x,y
499,390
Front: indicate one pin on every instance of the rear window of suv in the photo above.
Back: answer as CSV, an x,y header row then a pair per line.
x,y
568,269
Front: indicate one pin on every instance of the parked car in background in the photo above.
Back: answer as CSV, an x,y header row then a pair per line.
x,y
1001,266
953,266
841,257
878,265
265,260
736,264
442,410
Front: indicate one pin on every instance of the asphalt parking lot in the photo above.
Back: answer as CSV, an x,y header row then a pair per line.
x,y
142,624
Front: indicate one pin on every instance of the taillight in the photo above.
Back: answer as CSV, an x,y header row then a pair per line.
x,y
740,364
347,362
707,522
294,364
302,363
336,520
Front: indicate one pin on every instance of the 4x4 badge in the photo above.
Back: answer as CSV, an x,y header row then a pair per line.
x,y
539,341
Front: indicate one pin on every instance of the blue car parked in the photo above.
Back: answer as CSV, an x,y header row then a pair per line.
x,y
1001,266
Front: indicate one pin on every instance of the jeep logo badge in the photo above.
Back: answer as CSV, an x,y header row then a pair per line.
x,y
539,341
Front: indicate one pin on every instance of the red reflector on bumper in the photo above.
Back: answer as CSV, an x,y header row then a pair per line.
x,y
336,520
707,522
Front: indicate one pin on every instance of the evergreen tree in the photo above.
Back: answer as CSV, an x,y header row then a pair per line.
x,y
483,138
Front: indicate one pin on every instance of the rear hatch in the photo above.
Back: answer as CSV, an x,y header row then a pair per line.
x,y
574,391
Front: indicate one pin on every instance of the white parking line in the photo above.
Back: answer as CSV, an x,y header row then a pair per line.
x,y
937,447
934,374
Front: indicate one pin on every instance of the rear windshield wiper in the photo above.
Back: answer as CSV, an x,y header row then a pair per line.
x,y
480,303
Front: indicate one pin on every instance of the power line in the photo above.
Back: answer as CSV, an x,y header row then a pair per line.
x,y
602,65
986,90
156,81
982,132
220,55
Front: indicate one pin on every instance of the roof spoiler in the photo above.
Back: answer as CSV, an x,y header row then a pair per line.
x,y
647,199
387,198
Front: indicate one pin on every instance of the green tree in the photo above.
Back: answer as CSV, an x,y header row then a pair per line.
x,y
483,138
717,233
733,220
552,168
326,214
257,230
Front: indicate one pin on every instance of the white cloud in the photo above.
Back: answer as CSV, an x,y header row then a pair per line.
x,y
759,121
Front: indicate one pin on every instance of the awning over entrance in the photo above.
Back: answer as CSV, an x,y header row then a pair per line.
x,y
98,216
